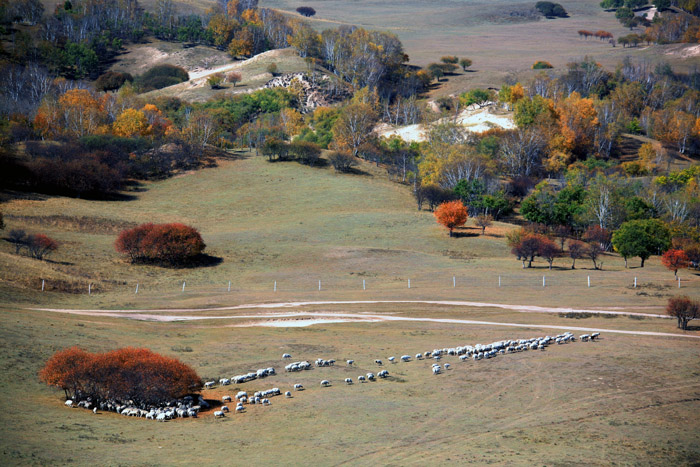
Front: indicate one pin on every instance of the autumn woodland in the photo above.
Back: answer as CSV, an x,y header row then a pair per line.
x,y
200,198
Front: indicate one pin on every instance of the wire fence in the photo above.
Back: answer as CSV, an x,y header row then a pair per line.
x,y
569,282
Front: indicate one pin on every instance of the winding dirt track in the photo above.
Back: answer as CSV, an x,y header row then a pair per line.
x,y
149,316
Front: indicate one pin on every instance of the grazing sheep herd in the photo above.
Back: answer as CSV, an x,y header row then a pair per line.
x,y
186,407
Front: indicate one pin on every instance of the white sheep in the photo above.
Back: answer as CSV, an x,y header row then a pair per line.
x,y
378,362
298,387
286,394
447,366
350,362
209,384
348,380
226,399
240,409
217,414
69,403
286,355
361,379
391,359
224,408
325,383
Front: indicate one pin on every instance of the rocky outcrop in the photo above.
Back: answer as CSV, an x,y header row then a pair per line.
x,y
314,90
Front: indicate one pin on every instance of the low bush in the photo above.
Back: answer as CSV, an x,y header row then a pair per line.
x,y
541,65
161,76
167,244
129,374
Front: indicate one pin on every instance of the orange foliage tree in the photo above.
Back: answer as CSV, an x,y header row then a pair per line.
x,y
130,123
77,112
172,244
451,214
675,260
128,374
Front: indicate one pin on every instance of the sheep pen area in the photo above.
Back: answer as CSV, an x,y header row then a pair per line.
x,y
626,398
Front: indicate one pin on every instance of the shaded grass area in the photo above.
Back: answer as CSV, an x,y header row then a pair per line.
x,y
623,399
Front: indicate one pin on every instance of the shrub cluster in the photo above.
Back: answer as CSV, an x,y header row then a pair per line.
x,y
122,375
170,244
551,10
161,76
37,245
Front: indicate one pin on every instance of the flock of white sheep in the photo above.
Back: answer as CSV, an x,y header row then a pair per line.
x,y
476,352
187,407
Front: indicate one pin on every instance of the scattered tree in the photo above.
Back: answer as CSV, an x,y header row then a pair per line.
x,y
465,63
18,237
484,221
683,309
526,246
551,10
233,77
40,245
548,250
306,11
641,238
674,260
342,161
450,59
451,214
577,250
215,80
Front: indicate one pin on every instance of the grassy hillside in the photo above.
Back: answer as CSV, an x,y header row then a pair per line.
x,y
265,222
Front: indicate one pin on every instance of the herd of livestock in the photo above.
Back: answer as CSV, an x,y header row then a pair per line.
x,y
187,407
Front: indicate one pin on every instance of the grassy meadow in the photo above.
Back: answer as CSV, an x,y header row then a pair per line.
x,y
626,399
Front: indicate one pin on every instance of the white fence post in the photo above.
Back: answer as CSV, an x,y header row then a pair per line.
x,y
137,288
409,283
679,282
274,287
543,282
454,282
229,286
183,286
42,285
89,289
635,282
363,285
589,281
499,281
319,285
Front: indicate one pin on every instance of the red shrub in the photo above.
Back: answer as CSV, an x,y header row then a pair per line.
x,y
165,243
40,245
128,374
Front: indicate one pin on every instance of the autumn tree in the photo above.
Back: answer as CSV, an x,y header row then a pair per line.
x,y
577,250
233,77
130,123
484,221
129,375
342,161
548,250
171,244
593,251
674,260
40,245
354,126
451,214
450,59
683,309
465,63
526,246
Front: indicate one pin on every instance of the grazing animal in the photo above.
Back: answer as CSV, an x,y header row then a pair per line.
x,y
209,384
325,383
239,409
286,355
69,403
361,379
350,362
94,410
161,416
298,387
287,394
218,414
224,408
378,362
226,399
370,376
391,359
447,366
348,380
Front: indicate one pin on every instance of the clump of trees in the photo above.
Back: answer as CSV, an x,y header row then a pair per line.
x,y
306,11
129,374
542,65
551,10
683,309
161,76
112,80
167,244
451,214
38,246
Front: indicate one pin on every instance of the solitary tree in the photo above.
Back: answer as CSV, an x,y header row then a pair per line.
x,y
40,245
451,214
675,260
465,63
233,77
451,59
593,251
641,238
577,250
215,80
683,309
306,11
483,222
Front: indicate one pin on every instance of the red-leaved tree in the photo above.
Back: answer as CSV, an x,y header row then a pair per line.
x,y
675,260
40,245
451,214
173,244
683,309
122,375
528,246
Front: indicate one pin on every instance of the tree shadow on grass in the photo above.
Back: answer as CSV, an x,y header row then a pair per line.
x,y
202,260
463,234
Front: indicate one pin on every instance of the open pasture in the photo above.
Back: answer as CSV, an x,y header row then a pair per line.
x,y
623,399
